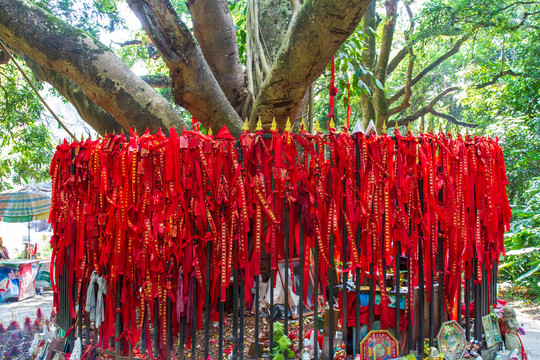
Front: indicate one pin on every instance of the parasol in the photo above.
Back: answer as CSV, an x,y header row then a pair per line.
x,y
25,204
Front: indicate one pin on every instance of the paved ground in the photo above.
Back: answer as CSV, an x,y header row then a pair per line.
x,y
19,310
528,316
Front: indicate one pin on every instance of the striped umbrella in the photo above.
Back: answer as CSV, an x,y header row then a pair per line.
x,y
25,204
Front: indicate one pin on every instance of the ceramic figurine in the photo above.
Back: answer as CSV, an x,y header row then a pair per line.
x,y
433,353
340,352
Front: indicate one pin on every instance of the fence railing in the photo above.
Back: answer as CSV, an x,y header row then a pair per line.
x,y
176,227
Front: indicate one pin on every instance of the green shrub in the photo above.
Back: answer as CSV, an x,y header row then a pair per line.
x,y
521,266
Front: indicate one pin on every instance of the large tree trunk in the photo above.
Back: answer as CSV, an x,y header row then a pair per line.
x,y
319,29
98,72
194,86
216,33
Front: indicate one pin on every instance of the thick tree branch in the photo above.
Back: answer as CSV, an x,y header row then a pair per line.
x,y
194,86
379,95
496,78
386,40
408,87
523,20
100,74
4,57
452,119
426,109
157,81
215,31
93,115
296,5
129,43
320,28
369,23
408,77
396,60
515,3
454,50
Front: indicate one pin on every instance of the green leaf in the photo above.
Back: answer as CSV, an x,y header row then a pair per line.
x,y
284,343
528,273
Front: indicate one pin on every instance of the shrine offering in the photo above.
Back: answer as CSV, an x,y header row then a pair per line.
x,y
166,223
379,345
451,340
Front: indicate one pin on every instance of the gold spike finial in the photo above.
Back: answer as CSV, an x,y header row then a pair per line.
x,y
273,127
332,124
288,125
303,125
396,126
209,132
245,127
259,125
408,126
114,131
316,126
384,130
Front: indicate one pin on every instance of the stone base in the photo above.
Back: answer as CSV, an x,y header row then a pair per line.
x,y
489,353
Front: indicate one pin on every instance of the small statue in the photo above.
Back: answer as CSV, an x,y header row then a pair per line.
x,y
340,352
433,353
305,354
310,342
512,339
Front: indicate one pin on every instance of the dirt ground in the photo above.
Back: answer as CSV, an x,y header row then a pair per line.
x,y
528,314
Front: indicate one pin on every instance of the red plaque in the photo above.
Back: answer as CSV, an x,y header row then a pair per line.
x,y
379,345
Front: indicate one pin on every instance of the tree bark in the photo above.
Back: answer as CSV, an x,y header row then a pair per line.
x,y
379,95
368,62
454,50
99,73
396,60
157,81
425,110
215,31
320,28
194,86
